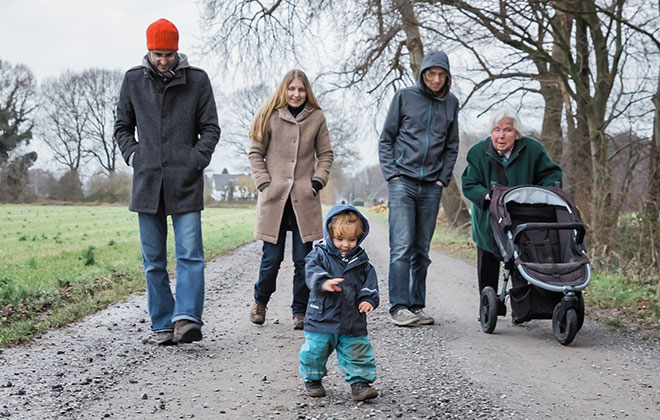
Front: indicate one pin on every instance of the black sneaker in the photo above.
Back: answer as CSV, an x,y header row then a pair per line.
x,y
362,391
315,389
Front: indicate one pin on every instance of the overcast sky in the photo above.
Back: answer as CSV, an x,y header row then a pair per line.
x,y
50,36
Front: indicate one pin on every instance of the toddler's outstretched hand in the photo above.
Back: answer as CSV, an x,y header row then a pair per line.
x,y
365,307
332,285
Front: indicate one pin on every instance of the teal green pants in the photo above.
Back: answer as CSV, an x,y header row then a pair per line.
x,y
354,355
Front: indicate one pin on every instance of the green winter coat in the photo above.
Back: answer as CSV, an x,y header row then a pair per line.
x,y
528,164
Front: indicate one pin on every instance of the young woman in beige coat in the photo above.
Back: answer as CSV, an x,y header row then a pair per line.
x,y
290,157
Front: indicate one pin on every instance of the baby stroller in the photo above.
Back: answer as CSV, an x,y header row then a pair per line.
x,y
540,236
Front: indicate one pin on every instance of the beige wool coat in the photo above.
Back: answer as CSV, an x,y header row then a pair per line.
x,y
293,152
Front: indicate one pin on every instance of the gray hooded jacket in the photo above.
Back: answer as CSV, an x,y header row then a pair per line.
x,y
420,135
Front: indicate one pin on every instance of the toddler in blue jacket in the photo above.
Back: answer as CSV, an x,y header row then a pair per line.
x,y
343,289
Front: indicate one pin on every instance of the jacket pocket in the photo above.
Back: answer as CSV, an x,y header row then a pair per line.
x,y
133,160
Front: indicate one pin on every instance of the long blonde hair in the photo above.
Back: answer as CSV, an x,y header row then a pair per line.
x,y
277,101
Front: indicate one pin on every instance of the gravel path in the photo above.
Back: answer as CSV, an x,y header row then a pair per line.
x,y
108,367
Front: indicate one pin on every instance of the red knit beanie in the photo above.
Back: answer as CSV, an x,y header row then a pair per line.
x,y
162,35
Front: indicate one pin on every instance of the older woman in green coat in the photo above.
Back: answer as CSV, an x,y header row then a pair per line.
x,y
508,159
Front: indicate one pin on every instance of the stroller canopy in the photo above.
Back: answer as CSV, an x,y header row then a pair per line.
x,y
540,231
529,195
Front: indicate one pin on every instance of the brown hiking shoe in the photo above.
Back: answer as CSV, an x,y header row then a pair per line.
x,y
298,322
258,313
315,389
186,331
362,391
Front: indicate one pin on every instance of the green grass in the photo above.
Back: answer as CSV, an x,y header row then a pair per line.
x,y
609,297
619,302
60,263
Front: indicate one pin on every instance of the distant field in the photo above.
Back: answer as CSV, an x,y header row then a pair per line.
x,y
58,263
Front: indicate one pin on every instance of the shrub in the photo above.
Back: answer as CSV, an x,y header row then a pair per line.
x,y
88,257
115,188
69,187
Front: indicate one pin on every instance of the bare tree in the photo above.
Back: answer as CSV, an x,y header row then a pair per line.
x,y
343,130
237,110
384,42
65,118
644,22
101,93
583,48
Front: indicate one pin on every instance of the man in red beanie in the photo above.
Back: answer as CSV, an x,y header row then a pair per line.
x,y
172,106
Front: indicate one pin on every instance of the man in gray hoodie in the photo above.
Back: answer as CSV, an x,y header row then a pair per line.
x,y
417,151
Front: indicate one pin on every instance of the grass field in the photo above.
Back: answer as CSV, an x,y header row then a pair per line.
x,y
59,263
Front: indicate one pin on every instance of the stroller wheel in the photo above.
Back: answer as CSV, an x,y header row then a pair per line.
x,y
564,324
488,310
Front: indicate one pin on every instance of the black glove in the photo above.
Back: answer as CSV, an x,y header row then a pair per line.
x,y
316,187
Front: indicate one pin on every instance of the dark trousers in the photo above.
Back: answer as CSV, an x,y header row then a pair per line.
x,y
488,269
271,258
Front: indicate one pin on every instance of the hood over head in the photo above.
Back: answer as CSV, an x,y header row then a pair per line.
x,y
435,59
340,208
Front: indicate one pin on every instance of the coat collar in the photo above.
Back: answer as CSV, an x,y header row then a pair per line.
x,y
180,75
517,147
285,114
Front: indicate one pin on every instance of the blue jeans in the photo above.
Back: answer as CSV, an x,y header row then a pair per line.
x,y
413,210
271,258
164,310
355,357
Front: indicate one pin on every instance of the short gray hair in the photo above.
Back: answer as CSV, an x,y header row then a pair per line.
x,y
506,113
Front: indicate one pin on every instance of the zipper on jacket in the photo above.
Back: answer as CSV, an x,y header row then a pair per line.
x,y
426,148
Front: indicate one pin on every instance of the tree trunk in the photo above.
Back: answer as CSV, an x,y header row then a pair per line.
x,y
579,173
455,210
413,38
653,203
551,131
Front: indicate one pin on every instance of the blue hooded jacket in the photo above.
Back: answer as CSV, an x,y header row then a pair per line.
x,y
420,134
337,312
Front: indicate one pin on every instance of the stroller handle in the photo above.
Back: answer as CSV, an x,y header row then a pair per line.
x,y
581,231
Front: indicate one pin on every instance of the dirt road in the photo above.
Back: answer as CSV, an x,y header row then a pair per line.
x,y
107,366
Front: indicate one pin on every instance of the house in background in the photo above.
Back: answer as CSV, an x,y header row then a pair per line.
x,y
232,187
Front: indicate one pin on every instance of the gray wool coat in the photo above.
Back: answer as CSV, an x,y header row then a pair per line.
x,y
177,130
294,151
